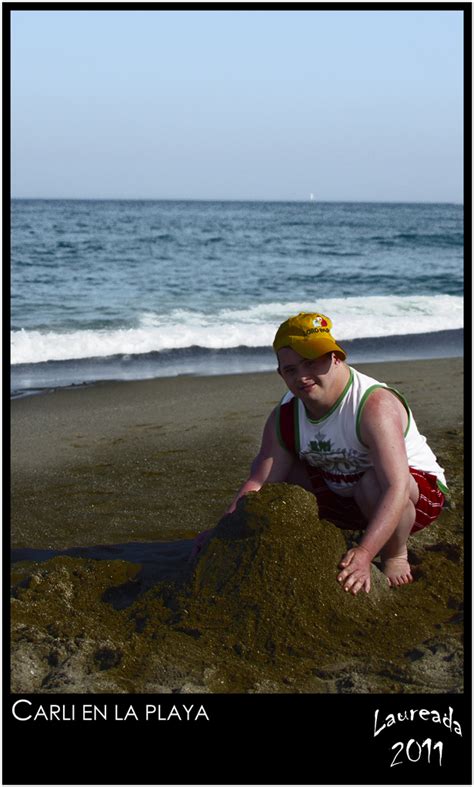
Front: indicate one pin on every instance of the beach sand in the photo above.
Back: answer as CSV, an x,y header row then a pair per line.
x,y
111,482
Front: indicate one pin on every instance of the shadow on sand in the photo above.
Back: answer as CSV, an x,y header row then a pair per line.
x,y
159,561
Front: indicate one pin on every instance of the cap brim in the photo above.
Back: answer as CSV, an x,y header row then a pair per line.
x,y
314,349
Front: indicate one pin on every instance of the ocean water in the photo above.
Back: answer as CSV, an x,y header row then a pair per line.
x,y
134,289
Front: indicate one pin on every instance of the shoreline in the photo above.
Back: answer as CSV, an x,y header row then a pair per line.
x,y
33,379
82,386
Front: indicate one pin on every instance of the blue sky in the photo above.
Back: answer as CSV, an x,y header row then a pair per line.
x,y
347,105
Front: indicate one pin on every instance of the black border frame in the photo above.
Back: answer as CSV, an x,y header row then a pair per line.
x,y
249,739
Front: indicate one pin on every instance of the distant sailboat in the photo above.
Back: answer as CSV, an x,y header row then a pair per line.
x,y
311,197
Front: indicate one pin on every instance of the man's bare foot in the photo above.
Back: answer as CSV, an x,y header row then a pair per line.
x,y
397,570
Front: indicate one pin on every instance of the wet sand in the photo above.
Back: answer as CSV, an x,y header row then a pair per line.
x,y
109,485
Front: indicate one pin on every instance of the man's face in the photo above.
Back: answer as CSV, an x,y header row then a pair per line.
x,y
307,379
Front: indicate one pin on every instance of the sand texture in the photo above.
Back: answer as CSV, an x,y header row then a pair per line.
x,y
110,484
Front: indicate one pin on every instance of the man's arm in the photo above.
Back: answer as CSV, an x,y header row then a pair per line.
x,y
271,465
383,423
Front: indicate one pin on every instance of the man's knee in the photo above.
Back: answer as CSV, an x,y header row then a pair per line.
x,y
369,490
414,490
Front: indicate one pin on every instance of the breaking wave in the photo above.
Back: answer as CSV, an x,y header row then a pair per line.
x,y
255,326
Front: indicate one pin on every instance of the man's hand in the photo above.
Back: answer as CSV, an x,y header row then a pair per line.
x,y
356,574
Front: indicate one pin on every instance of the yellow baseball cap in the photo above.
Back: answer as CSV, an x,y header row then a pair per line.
x,y
308,335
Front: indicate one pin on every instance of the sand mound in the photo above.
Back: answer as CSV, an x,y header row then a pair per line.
x,y
260,610
267,579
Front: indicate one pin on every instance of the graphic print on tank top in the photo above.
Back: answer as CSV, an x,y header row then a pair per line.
x,y
335,460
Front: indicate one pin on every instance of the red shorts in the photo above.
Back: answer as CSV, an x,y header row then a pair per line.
x,y
345,513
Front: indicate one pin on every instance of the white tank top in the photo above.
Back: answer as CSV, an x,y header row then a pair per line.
x,y
333,443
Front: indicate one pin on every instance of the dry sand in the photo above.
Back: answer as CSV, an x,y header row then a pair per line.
x,y
121,473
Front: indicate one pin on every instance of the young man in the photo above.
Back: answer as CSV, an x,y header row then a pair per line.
x,y
353,442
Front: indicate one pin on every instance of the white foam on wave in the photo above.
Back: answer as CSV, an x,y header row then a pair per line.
x,y
374,316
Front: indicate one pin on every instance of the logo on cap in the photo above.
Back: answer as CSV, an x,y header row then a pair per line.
x,y
319,322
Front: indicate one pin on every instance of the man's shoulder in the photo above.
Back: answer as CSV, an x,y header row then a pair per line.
x,y
381,406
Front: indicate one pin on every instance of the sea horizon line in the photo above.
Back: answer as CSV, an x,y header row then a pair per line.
x,y
239,200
